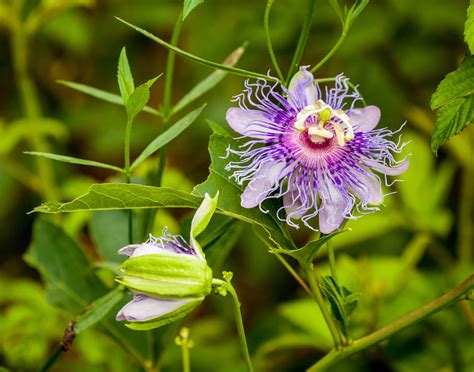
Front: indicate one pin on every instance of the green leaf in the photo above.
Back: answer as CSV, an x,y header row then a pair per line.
x,y
113,196
96,311
192,57
69,159
456,84
63,266
452,119
454,101
189,5
109,232
164,138
219,249
138,99
218,128
469,27
307,253
343,302
229,194
124,76
103,95
209,82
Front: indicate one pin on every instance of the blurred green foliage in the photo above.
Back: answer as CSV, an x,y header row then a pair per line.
x,y
415,249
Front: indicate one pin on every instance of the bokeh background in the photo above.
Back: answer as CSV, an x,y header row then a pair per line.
x,y
414,250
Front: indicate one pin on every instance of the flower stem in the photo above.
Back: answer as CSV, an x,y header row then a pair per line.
x,y
128,134
331,52
302,40
332,261
52,359
266,18
294,274
460,292
313,281
238,319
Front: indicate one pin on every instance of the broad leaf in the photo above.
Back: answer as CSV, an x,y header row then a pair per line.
x,y
454,101
308,252
96,311
456,84
103,95
124,76
69,159
109,232
189,5
138,99
209,82
110,196
219,249
452,119
63,266
229,194
174,131
343,302
469,27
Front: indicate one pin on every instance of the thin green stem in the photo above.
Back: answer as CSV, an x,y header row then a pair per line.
x,y
313,281
302,40
294,274
331,52
332,260
52,359
266,19
185,357
458,293
238,320
327,80
128,134
219,66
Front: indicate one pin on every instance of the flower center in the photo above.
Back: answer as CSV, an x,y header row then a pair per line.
x,y
324,115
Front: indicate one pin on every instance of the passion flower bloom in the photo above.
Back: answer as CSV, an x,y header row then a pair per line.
x,y
168,276
316,151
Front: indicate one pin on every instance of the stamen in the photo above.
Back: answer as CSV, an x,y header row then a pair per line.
x,y
324,113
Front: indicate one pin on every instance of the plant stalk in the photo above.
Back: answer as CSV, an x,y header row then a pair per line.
x,y
268,40
416,316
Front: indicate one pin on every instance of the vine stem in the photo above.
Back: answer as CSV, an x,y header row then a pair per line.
x,y
52,359
294,274
462,290
268,40
302,40
238,321
332,261
331,52
128,134
313,281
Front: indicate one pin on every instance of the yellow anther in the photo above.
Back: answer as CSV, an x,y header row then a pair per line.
x,y
325,115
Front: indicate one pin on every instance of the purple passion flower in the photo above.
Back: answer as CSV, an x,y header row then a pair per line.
x,y
316,151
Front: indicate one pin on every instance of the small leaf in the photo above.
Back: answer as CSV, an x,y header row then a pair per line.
x,y
218,128
343,302
456,84
97,310
307,253
209,82
469,27
124,77
138,99
103,95
189,5
164,138
69,159
452,119
203,214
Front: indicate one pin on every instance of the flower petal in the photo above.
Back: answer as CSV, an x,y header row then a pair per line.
x,y
293,205
136,250
334,208
364,119
143,308
302,91
262,183
368,189
247,122
385,169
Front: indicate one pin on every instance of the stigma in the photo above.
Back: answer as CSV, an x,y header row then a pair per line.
x,y
324,115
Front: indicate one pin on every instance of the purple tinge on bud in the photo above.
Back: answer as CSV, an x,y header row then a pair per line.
x,y
143,308
317,151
